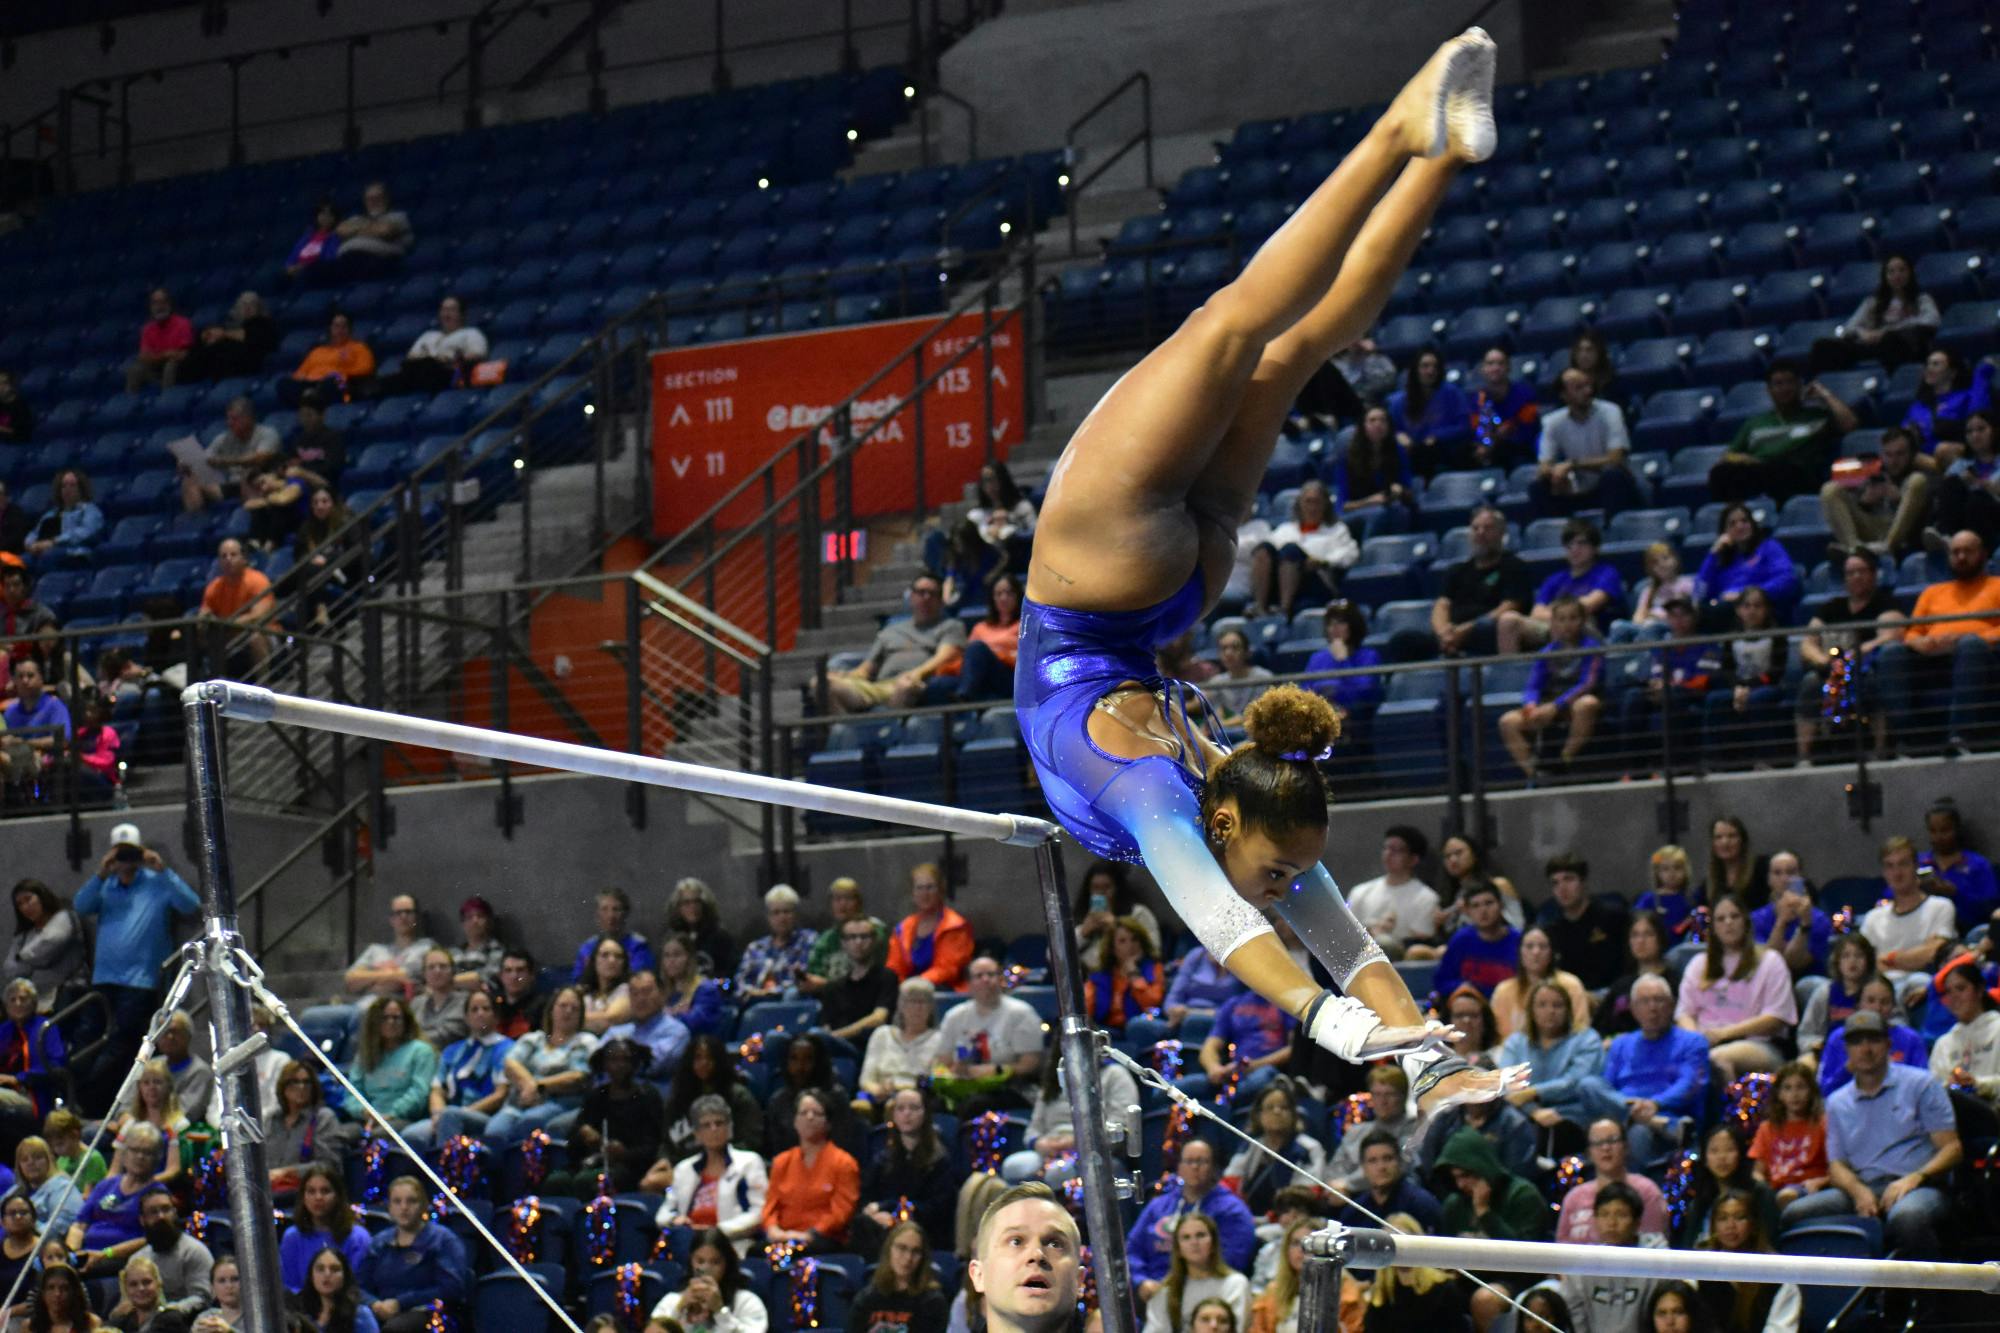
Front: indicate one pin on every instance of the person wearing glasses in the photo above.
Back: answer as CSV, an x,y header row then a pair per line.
x,y
395,967
908,660
862,1000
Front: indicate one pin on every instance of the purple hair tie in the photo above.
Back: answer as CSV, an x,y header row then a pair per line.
x,y
1306,756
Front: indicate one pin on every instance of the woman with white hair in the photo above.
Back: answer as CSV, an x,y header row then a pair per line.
x,y
903,1050
775,964
238,346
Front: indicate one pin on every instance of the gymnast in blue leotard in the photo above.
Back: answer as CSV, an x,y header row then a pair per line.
x,y
1135,542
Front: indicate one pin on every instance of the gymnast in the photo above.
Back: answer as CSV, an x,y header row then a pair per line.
x,y
1135,543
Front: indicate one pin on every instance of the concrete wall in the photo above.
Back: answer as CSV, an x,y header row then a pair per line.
x,y
654,49
576,838
1213,63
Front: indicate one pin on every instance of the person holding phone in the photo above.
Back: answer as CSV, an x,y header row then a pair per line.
x,y
1791,924
1105,896
135,897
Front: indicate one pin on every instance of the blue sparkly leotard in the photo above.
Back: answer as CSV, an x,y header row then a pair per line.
x,y
1149,810
1068,661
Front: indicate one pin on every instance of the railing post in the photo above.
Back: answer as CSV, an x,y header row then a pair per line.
x,y
371,697
475,69
1481,824
1670,805
125,131
809,534
601,424
986,331
350,127
843,502
527,485
720,79
635,722
850,59
922,507
770,557
65,173
506,812
237,153
1454,752
767,763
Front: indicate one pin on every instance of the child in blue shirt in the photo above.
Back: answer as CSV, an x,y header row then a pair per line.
x,y
1560,688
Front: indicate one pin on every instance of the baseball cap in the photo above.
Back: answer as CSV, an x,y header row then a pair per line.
x,y
1865,1023
126,835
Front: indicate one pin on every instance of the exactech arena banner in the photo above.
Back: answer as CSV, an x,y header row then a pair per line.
x,y
721,409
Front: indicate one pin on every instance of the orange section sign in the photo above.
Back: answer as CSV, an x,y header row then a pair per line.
x,y
720,410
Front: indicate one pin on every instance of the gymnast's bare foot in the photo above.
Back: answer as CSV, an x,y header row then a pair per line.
x,y
1448,106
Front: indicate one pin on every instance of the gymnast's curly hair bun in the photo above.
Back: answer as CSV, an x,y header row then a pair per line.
x,y
1287,722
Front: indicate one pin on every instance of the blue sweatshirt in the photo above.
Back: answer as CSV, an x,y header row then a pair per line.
x,y
135,924
434,1268
298,1249
1671,1072
1571,677
1555,1069
1471,959
1354,694
1768,567
1447,416
1202,983
1676,909
1600,577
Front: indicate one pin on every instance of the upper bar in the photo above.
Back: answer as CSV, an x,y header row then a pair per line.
x,y
1382,1249
254,703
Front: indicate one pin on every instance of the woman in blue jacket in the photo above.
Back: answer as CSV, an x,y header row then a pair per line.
x,y
1950,392
71,527
412,1263
1744,555
1432,416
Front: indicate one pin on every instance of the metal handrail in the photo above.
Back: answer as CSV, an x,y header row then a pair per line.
x,y
62,1016
971,125
1143,138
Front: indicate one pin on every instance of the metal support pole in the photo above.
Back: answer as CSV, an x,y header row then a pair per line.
x,y
721,75
986,330
1454,752
229,1010
1319,1295
350,134
1081,1057
237,153
923,443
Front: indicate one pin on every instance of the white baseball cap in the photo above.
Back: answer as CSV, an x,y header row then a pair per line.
x,y
126,835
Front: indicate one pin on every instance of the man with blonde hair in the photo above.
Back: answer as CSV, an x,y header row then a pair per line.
x,y
1026,1261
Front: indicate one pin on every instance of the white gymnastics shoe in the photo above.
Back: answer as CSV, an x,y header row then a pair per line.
x,y
1448,106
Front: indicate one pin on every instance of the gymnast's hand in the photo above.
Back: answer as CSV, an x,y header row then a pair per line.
x,y
1473,1085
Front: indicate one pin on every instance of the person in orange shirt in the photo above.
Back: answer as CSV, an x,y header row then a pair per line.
x,y
236,595
1128,978
814,1187
343,358
1958,654
933,941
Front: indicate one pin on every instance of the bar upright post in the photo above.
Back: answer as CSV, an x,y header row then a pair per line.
x,y
242,1132
1081,1057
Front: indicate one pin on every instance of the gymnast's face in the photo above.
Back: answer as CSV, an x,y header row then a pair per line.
x,y
1260,863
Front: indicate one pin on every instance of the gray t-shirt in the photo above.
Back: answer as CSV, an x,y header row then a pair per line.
x,y
226,451
395,242
1567,440
905,644
1001,1037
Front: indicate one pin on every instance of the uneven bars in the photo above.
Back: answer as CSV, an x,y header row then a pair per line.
x,y
254,703
1369,1248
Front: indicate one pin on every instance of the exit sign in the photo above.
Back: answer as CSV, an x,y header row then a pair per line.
x,y
839,546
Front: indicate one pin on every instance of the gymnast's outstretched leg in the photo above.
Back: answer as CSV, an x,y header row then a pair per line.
x,y
1118,530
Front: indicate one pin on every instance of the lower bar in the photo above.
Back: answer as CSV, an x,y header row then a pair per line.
x,y
1384,1249
254,703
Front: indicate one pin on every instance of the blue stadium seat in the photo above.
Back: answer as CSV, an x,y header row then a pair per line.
x,y
1554,321
1971,328
1479,328
1731,355
1761,247
1653,364
1451,496
1635,312
1708,305
1669,210
1687,482
1631,127
1738,202
1952,275
1780,298
1864,143
110,592
1675,418
1610,264
1714,161
1580,178
1594,220
1531,276
1654,167
1464,282
1516,185
1684,256
1939,131
1770,110
1406,335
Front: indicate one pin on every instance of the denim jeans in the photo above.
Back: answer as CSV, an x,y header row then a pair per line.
x,y
511,1124
1967,670
1912,1225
